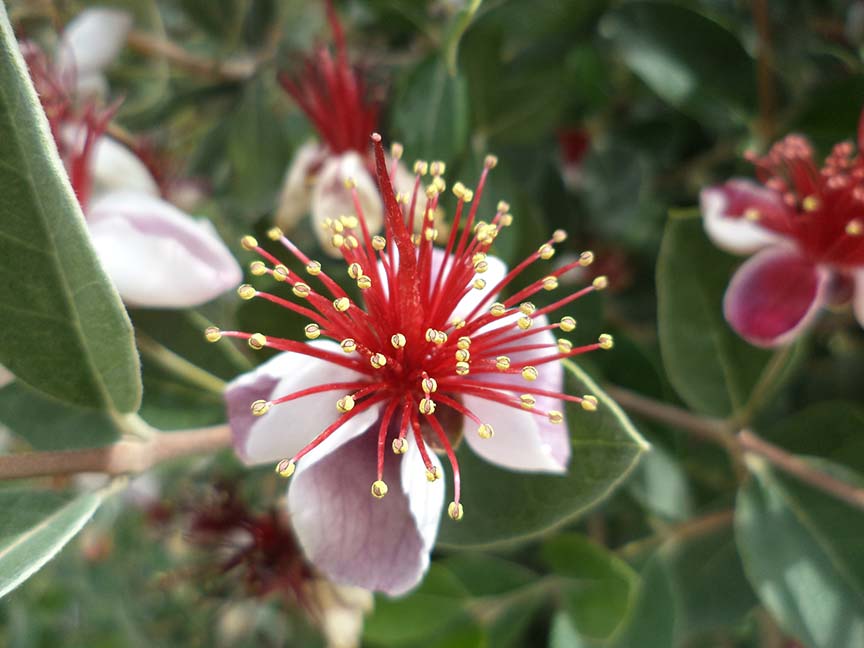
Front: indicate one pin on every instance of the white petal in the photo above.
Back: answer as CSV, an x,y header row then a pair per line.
x,y
6,376
92,41
297,186
287,427
331,199
737,235
157,256
115,167
496,272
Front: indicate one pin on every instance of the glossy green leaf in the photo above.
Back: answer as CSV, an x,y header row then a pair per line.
x,y
503,506
63,329
36,525
803,553
712,369
661,486
458,26
652,622
689,60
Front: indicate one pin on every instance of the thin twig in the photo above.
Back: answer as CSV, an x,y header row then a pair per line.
x,y
121,458
764,69
694,528
178,365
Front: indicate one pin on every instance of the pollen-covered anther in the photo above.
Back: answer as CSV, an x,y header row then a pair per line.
x,y
364,282
586,258
351,242
600,282
527,308
855,227
491,161
485,431
555,417
301,290
527,401
468,195
463,355
337,240
752,214
525,322
312,331
398,340
481,266
589,403
275,233
258,268
503,207
530,373
497,309
379,488
463,342
280,273
564,346
257,341
440,338
455,511
479,284
458,323
430,234
506,220
567,323
502,363
550,283
348,345
433,474
429,385
421,167
246,292
285,468
459,190
559,236
463,368
437,168
606,341
259,407
345,404
350,183
430,334
249,242
546,251
379,243
355,270
810,203
378,360
396,150
212,334
400,446
313,268
341,304
427,406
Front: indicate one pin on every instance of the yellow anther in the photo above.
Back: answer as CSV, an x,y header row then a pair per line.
x,y
379,243
349,221
352,242
503,207
249,242
439,184
529,373
486,431
280,273
502,363
527,308
364,282
752,214
400,446
567,324
457,323
312,331
524,322
586,258
350,183
355,270
559,236
463,342
491,161
260,407
528,401
337,240
462,368
341,304
427,406
606,341
246,291
555,417
810,203
506,220
213,334
459,190
274,233
257,341
301,290
468,195
378,360
429,385
463,355
430,334
257,268
478,257
398,340
433,474
855,227
345,404
589,403
285,468
396,150
327,223
313,268
600,282
455,511
437,168
479,284
497,309
546,251
430,234
348,345
421,168
440,338
431,191
481,266
550,283
379,488
564,346
416,239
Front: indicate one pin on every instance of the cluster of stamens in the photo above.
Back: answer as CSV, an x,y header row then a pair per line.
x,y
415,356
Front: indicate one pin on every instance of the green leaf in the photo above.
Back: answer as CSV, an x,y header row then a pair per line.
x,y
689,60
660,485
458,26
712,369
563,633
601,589
64,330
35,526
802,551
652,622
606,447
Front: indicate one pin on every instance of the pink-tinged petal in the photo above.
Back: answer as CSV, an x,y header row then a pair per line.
x,y
523,440
114,167
774,296
6,376
723,207
858,299
297,187
92,41
157,256
287,427
354,538
331,199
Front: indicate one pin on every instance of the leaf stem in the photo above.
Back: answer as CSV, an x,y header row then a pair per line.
x,y
178,365
696,527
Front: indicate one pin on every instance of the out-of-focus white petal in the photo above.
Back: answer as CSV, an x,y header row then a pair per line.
x,y
297,187
6,376
722,209
115,167
331,199
92,41
858,298
287,427
157,256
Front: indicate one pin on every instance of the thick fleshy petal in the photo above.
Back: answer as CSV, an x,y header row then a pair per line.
x,y
774,296
858,299
92,41
331,199
523,440
287,427
157,256
354,538
722,210
115,167
297,187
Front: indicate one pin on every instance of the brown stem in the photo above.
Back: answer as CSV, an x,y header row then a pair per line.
x,y
764,69
694,528
121,458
